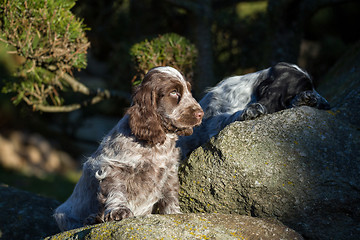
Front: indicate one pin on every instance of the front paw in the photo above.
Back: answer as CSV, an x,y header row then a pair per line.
x,y
118,214
253,111
310,98
307,98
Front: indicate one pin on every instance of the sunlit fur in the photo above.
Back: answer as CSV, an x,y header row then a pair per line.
x,y
249,96
135,166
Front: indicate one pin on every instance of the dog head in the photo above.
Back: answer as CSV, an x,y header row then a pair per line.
x,y
163,104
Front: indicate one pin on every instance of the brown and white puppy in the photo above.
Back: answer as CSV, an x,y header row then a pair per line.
x,y
136,164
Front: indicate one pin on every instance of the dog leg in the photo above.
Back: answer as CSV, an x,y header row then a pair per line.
x,y
169,204
112,200
253,111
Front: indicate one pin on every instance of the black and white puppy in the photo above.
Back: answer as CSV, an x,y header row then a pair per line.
x,y
249,96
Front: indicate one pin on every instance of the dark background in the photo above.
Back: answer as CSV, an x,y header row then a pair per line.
x,y
232,37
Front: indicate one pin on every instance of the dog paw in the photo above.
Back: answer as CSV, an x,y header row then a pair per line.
x,y
118,214
310,98
307,98
253,111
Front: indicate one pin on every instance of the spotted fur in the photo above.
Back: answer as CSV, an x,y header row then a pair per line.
x,y
249,96
135,166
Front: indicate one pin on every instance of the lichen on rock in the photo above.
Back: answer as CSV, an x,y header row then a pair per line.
x,y
298,165
185,226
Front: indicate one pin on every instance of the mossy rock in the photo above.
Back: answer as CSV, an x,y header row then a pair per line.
x,y
299,165
185,226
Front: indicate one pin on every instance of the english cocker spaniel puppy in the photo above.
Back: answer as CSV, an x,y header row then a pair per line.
x,y
249,96
136,164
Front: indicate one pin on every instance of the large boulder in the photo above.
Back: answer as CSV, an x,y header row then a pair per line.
x,y
341,86
185,226
24,215
300,166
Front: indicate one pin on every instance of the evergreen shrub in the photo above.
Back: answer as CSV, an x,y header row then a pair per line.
x,y
48,41
166,50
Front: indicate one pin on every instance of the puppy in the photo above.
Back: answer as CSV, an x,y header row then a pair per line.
x,y
135,166
249,96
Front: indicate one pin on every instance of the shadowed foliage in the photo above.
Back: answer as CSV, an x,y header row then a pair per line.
x,y
48,42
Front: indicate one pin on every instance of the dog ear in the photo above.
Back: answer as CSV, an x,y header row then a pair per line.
x,y
144,121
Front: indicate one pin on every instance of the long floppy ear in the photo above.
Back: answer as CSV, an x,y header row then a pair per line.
x,y
144,122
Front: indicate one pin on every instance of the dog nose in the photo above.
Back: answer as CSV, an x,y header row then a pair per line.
x,y
199,114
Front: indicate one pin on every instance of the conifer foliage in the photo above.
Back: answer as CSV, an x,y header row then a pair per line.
x,y
165,50
48,42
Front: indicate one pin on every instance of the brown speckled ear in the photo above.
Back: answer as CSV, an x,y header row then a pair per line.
x,y
144,121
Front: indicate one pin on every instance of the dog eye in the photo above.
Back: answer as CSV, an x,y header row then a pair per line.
x,y
174,94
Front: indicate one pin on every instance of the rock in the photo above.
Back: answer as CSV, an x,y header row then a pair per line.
x,y
341,86
299,165
24,215
32,154
185,226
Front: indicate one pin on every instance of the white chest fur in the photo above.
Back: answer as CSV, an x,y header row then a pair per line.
x,y
141,172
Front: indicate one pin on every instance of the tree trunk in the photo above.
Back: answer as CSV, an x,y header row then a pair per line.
x,y
202,15
203,37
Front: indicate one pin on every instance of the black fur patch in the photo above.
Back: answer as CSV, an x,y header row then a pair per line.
x,y
283,83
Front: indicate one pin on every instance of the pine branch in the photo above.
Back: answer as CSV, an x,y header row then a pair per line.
x,y
74,84
98,97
